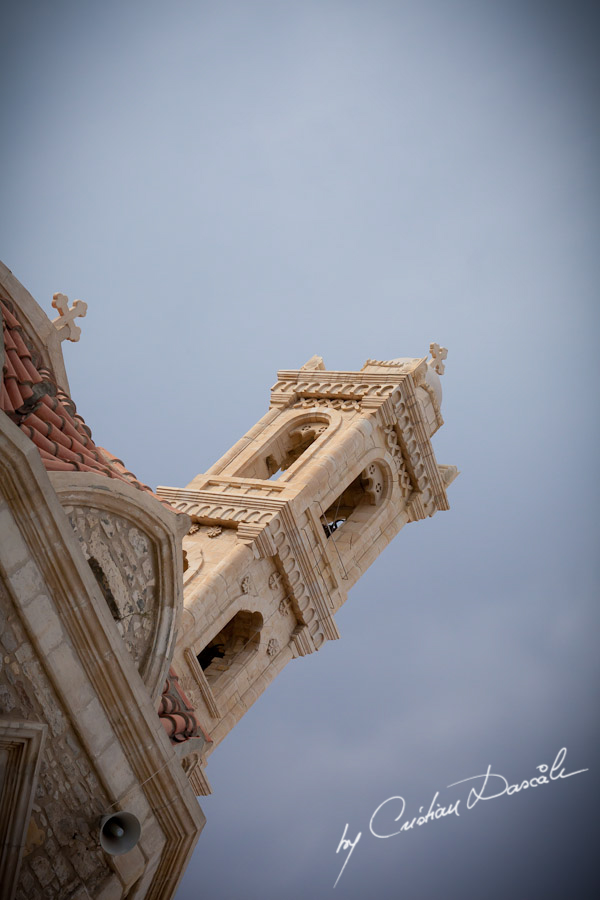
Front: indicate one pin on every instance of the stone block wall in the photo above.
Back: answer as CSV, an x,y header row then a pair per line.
x,y
62,858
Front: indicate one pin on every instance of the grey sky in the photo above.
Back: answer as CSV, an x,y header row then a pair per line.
x,y
233,187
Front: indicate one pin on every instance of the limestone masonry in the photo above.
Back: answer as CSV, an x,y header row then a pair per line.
x,y
138,627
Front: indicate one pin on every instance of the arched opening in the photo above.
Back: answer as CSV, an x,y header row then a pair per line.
x,y
365,491
283,451
230,648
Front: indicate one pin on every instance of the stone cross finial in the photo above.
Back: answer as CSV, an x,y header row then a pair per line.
x,y
64,323
439,354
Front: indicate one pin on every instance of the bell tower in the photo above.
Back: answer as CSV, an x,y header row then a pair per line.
x,y
288,520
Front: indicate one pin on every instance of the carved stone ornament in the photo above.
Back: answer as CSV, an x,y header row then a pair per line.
x,y
245,584
273,647
373,482
344,405
214,532
329,385
391,440
233,509
425,477
64,324
284,606
404,481
438,354
274,580
194,528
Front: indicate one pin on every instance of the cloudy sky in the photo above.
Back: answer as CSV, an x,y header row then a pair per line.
x,y
235,186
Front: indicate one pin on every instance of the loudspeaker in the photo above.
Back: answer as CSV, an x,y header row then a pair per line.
x,y
119,833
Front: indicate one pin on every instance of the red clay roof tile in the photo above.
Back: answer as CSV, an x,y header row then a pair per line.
x,y
176,713
47,415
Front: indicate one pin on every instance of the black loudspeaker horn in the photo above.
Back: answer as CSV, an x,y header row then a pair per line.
x,y
119,833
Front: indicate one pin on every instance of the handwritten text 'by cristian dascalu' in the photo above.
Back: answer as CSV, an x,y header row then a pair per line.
x,y
488,786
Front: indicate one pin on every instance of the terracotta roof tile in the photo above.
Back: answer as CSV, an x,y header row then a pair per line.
x,y
176,713
46,414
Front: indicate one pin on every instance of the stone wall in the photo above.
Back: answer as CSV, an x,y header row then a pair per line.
x,y
62,858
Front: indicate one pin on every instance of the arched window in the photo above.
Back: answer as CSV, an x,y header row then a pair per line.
x,y
280,453
355,501
232,646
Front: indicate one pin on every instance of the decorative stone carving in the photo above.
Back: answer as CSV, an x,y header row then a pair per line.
x,y
416,450
241,488
373,483
391,440
343,405
438,354
214,532
404,481
309,430
64,323
388,363
334,386
284,606
273,647
194,528
124,564
299,583
274,580
234,510
245,584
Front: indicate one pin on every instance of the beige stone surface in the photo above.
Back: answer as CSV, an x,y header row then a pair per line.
x,y
342,452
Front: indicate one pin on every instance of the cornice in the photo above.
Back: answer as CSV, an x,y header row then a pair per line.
x,y
268,523
212,507
295,384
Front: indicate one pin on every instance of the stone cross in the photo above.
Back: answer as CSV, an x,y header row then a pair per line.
x,y
439,354
64,323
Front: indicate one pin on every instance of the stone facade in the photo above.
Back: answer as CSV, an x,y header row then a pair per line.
x,y
137,628
62,849
81,678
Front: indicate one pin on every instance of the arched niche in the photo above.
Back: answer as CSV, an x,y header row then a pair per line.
x,y
133,546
